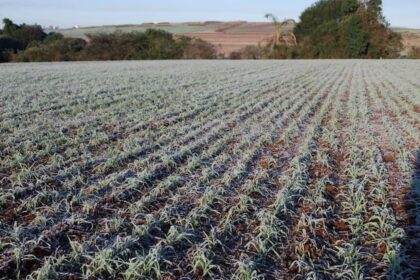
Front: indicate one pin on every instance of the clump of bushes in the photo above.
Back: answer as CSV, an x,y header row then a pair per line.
x,y
7,46
151,44
58,49
29,43
247,52
198,49
15,37
414,53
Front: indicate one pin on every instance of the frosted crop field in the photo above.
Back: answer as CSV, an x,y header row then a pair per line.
x,y
210,170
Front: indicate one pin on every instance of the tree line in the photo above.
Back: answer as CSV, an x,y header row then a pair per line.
x,y
327,29
29,43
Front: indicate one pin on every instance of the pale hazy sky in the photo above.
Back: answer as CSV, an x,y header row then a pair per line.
x,y
66,13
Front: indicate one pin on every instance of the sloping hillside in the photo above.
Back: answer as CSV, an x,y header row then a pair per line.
x,y
226,36
411,37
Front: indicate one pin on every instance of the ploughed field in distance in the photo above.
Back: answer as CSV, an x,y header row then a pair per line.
x,y
210,170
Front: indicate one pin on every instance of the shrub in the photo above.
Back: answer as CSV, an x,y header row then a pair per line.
x,y
355,40
414,53
199,49
8,45
65,49
152,44
235,55
251,52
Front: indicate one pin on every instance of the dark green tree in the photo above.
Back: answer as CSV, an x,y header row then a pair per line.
x,y
374,10
160,45
356,40
53,36
345,29
324,12
8,44
23,33
9,27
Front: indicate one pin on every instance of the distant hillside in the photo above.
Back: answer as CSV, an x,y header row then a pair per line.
x,y
226,36
177,28
411,37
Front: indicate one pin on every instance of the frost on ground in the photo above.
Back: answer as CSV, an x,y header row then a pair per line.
x,y
210,170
